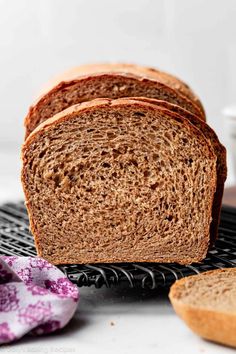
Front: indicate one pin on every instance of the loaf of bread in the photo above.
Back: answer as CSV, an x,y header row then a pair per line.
x,y
110,81
207,303
123,180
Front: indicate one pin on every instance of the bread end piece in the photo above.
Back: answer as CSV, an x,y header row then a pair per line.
x,y
206,303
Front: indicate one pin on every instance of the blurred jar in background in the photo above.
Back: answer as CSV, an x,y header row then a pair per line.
x,y
229,114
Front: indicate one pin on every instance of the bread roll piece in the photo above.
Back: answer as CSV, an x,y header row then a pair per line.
x,y
119,181
112,81
207,303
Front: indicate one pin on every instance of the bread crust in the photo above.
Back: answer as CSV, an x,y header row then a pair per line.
x,y
81,79
73,110
212,325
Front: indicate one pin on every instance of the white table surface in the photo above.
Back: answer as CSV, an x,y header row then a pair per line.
x,y
143,321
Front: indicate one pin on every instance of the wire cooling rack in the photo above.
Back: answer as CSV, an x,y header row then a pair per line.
x,y
15,239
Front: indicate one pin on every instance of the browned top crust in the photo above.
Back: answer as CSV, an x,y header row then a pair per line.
x,y
138,70
85,74
83,106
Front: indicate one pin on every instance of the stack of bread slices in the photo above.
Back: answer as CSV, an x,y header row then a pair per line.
x,y
119,165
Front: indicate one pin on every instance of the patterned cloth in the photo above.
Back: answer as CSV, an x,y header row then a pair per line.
x,y
35,297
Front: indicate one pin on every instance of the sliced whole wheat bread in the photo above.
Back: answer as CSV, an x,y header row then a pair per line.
x,y
119,181
110,81
207,303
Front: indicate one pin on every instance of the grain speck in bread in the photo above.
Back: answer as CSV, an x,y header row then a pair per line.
x,y
110,81
113,181
207,303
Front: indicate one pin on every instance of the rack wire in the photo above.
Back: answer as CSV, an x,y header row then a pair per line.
x,y
16,239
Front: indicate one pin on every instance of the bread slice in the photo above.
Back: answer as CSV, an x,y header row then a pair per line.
x,y
143,71
219,151
119,181
109,81
207,303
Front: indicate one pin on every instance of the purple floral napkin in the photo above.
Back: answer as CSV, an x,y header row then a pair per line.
x,y
35,297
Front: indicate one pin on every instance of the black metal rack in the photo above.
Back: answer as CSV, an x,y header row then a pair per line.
x,y
15,239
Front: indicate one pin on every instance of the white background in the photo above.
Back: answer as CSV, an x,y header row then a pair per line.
x,y
194,39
